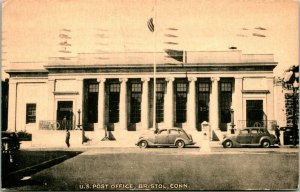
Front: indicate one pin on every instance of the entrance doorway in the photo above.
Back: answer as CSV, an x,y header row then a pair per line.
x,y
255,113
64,110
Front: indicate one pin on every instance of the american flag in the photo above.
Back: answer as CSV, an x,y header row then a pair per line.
x,y
150,24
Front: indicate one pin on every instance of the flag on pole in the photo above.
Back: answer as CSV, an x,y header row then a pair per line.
x,y
150,24
175,54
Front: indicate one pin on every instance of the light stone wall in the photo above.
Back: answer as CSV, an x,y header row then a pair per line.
x,y
42,93
31,93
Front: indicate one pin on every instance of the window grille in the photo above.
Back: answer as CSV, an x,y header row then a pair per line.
x,y
135,102
226,101
30,113
93,88
159,102
203,101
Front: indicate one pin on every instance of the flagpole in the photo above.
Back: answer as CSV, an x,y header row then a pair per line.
x,y
154,70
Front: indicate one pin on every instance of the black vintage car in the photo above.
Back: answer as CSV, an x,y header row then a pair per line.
x,y
253,136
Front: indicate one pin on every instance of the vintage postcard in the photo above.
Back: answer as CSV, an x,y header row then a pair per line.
x,y
150,95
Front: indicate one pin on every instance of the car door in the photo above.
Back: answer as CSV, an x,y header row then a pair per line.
x,y
244,137
256,135
173,135
162,137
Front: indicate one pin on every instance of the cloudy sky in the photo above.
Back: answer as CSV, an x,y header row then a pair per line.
x,y
34,30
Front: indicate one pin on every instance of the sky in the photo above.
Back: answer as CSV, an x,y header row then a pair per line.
x,y
34,30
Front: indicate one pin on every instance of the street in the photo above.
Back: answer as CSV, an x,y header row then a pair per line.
x,y
170,169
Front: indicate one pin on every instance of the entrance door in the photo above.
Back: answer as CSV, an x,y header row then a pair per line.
x,y
64,110
254,113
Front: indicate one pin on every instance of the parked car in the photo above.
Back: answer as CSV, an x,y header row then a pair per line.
x,y
253,136
165,137
10,141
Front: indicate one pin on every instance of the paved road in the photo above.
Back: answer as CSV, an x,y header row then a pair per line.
x,y
171,169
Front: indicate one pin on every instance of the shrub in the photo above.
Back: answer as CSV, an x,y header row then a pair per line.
x,y
24,136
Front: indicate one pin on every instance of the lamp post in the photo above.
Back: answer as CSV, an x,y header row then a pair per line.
x,y
232,120
78,125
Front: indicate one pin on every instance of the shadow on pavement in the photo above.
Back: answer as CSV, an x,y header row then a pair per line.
x,y
26,163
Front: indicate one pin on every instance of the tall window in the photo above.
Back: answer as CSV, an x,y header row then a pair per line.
x,y
225,101
181,99
30,113
203,101
93,103
160,102
135,102
114,101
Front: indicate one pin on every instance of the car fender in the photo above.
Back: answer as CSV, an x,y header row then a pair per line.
x,y
183,139
266,138
233,140
150,143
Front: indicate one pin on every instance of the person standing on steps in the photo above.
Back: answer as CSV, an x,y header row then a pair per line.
x,y
64,126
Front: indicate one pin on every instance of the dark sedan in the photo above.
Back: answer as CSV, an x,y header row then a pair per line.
x,y
166,137
250,137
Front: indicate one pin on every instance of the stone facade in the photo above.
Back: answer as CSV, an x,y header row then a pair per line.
x,y
116,92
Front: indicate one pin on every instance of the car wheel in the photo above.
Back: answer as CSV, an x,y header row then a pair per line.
x,y
143,144
180,144
227,144
265,143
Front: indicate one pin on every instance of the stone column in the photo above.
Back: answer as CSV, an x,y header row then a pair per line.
x,y
12,105
270,99
214,104
191,104
51,104
101,100
145,115
238,101
168,108
123,104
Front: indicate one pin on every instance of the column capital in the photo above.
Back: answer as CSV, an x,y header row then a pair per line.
x,y
123,80
170,78
145,79
192,79
215,79
101,80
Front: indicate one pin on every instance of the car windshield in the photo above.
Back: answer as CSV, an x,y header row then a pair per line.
x,y
163,132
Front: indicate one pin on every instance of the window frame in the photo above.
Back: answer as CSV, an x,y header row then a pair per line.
x,y
33,115
203,96
114,112
225,101
135,105
181,101
160,102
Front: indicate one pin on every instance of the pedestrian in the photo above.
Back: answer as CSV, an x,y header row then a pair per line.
x,y
68,138
277,133
64,123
